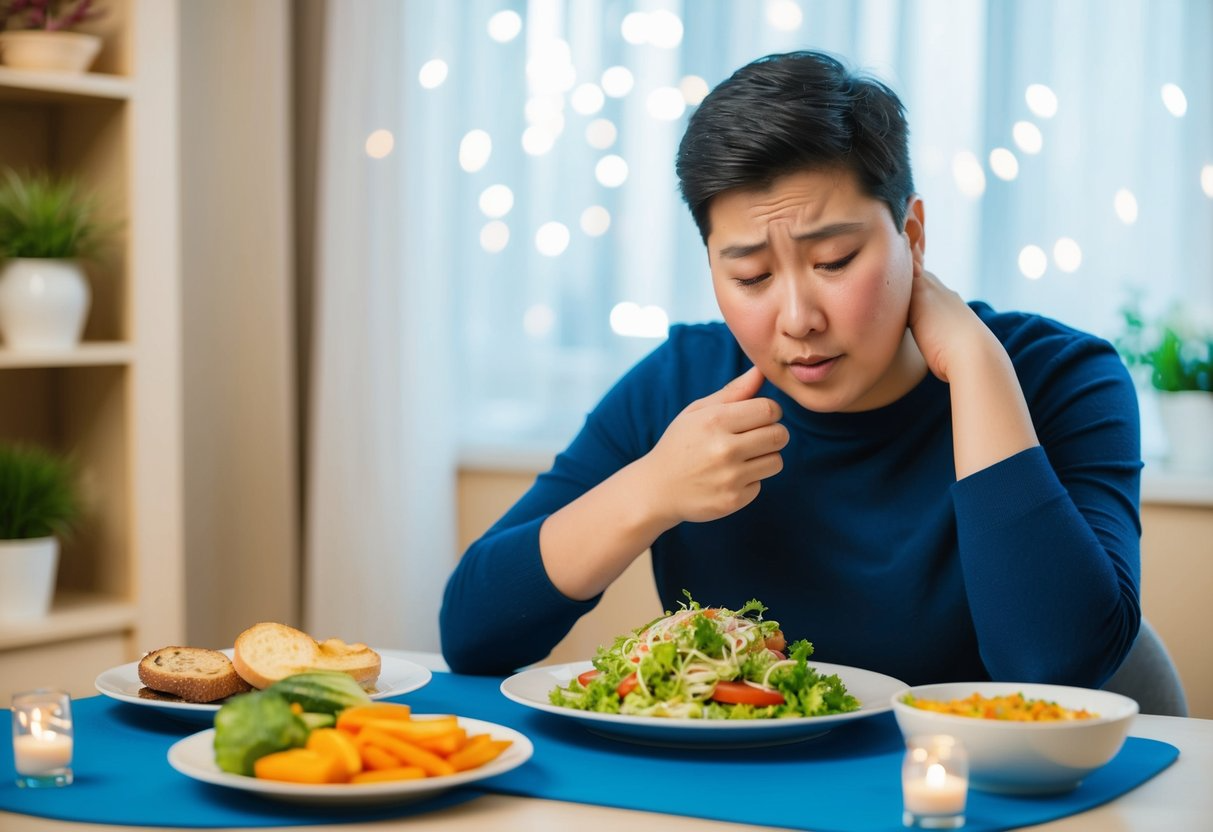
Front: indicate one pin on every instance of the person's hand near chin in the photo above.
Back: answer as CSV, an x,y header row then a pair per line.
x,y
708,464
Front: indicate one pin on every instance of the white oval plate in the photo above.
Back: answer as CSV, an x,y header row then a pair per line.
x,y
194,757
873,690
396,676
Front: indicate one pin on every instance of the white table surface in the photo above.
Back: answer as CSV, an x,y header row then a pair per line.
x,y
1179,798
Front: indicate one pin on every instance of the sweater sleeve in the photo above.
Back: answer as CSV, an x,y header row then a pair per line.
x,y
1049,538
500,610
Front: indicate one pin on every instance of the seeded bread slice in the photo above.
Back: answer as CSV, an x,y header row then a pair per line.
x,y
193,673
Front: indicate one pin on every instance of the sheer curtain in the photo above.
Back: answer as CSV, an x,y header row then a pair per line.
x,y
1058,172
380,521
520,242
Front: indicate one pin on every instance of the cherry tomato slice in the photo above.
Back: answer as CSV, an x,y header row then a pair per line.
x,y
776,642
739,693
587,677
628,685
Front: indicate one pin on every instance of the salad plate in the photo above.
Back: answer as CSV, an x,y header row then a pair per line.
x,y
396,676
194,756
875,691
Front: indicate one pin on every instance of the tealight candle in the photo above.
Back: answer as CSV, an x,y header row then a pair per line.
x,y
42,738
934,782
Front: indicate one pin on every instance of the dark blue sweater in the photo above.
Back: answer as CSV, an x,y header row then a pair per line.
x,y
865,544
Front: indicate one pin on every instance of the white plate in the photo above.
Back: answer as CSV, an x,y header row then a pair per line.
x,y
873,690
396,676
194,757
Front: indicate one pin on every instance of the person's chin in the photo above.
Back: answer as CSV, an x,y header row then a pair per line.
x,y
819,397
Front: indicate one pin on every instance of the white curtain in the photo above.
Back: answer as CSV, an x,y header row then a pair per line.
x,y
380,533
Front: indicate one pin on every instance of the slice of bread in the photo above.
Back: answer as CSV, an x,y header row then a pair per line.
x,y
193,673
267,652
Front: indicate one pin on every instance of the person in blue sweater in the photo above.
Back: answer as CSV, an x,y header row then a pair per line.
x,y
919,486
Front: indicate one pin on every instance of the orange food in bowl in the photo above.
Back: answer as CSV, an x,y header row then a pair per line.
x,y
1021,755
1013,707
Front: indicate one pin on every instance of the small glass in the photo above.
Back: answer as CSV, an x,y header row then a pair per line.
x,y
934,782
42,738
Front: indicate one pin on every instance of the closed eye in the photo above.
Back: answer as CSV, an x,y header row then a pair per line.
x,y
838,265
752,281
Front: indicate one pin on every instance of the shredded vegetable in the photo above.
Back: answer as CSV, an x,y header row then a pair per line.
x,y
707,663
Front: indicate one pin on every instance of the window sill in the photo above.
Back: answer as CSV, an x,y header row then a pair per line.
x,y
515,458
1162,487
1158,485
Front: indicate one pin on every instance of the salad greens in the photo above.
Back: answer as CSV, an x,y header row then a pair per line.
x,y
707,663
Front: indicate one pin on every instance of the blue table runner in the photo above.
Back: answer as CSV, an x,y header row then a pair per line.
x,y
846,781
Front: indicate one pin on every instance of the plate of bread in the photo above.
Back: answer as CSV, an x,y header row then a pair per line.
x,y
193,682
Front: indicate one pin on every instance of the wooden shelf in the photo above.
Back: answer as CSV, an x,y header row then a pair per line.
x,y
114,402
88,354
73,615
27,85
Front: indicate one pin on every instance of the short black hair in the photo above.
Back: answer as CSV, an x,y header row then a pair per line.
x,y
790,112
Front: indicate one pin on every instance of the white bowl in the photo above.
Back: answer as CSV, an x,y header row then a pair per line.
x,y
1025,757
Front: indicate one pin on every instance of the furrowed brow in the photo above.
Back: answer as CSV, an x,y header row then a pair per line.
x,y
741,250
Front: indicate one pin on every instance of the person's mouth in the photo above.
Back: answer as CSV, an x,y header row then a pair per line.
x,y
812,368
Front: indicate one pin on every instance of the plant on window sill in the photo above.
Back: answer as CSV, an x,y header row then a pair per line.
x,y
1176,352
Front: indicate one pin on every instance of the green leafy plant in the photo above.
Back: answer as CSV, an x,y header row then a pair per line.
x,y
38,493
1177,354
46,216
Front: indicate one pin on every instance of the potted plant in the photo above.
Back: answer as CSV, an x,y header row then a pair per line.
x,y
39,503
1175,354
34,35
46,227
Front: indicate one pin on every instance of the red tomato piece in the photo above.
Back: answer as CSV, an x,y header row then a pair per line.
x,y
628,685
587,677
739,693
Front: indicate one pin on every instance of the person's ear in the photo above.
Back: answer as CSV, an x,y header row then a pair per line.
x,y
915,227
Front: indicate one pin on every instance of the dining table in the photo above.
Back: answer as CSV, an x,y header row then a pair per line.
x,y
1177,793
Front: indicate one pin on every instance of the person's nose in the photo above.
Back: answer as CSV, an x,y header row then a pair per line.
x,y
800,313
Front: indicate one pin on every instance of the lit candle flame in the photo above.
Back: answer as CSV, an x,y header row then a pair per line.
x,y
936,776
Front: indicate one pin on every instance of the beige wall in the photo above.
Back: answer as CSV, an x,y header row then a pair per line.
x,y
1177,592
242,561
1177,581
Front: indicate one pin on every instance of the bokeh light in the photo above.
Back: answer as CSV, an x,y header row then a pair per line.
x,y
552,239
1033,262
380,143
474,150
432,73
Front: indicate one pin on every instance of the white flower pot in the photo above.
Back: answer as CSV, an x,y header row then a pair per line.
x,y
43,303
1187,419
49,51
27,577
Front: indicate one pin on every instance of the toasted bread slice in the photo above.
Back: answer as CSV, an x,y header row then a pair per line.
x,y
267,652
193,673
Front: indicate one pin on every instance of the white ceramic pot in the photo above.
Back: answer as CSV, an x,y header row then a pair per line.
x,y
43,303
1187,419
27,577
49,51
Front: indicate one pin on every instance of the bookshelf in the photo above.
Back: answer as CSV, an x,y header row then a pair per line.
x,y
114,403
